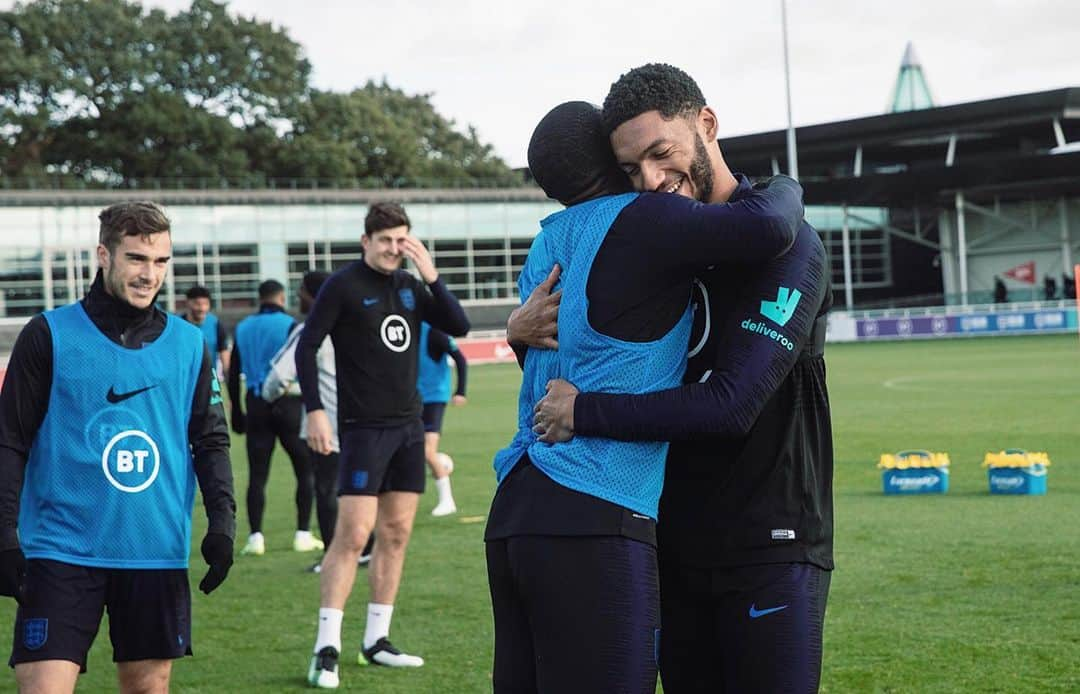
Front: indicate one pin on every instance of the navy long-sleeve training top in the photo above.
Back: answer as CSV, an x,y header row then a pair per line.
x,y
374,322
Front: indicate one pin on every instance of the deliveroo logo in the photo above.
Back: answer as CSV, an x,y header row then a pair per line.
x,y
781,310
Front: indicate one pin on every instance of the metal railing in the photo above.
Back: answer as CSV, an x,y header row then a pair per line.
x,y
197,183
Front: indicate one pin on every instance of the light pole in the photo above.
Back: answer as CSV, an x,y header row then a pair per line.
x,y
792,155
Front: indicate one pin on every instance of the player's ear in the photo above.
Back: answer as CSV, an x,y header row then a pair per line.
x,y
103,256
708,124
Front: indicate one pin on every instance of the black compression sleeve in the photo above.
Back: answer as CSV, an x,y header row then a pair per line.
x,y
208,434
520,351
462,368
233,377
24,401
439,345
222,338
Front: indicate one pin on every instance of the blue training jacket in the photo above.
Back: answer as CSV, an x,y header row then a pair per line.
x,y
258,338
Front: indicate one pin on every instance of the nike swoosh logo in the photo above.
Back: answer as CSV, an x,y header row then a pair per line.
x,y
114,397
370,302
755,613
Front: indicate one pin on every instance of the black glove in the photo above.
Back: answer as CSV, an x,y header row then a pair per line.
x,y
12,573
217,550
238,421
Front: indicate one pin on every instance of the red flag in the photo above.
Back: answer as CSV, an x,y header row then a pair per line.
x,y
1025,272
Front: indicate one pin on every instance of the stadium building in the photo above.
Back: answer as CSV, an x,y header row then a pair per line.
x,y
922,206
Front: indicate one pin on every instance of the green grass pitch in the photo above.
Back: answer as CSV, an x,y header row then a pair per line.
x,y
958,593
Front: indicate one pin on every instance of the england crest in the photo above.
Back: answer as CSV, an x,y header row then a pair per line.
x,y
408,299
35,633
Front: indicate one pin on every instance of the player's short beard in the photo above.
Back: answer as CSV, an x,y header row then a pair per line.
x,y
701,172
118,288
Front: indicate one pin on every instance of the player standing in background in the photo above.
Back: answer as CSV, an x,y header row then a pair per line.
x,y
109,414
434,386
745,545
571,536
258,338
281,381
198,314
374,308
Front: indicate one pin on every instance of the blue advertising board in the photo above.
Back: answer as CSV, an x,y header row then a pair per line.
x,y
997,323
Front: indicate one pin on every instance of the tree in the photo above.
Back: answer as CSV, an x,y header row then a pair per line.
x,y
383,135
101,90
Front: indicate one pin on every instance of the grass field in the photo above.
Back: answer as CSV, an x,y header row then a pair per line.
x,y
961,593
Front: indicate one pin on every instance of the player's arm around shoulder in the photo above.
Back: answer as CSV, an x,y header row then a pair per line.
x,y
755,228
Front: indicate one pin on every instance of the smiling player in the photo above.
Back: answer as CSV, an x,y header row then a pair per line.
x,y
110,411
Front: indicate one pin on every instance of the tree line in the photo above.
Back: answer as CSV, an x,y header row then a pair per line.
x,y
104,92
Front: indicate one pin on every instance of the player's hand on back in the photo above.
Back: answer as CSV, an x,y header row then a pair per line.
x,y
12,573
536,322
319,432
553,416
414,250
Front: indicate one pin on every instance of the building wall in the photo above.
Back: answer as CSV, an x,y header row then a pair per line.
x,y
47,252
1046,232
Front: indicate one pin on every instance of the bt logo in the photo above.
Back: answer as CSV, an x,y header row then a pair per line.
x,y
395,333
131,461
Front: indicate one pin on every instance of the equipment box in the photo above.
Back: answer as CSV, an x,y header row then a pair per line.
x,y
1018,480
915,472
1015,471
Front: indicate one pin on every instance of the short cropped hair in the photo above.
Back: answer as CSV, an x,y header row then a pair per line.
x,y
653,87
385,215
136,218
313,281
269,289
198,292
570,157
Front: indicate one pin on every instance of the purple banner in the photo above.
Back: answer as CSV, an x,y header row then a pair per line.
x,y
1055,320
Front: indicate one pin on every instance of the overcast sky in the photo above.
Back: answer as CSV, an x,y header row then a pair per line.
x,y
501,65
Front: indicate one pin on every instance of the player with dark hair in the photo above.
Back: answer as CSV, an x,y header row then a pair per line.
x,y
571,533
109,414
745,545
258,338
434,386
198,314
281,381
375,308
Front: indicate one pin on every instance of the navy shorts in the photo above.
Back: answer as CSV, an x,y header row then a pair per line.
x,y
752,628
149,613
574,614
433,416
374,461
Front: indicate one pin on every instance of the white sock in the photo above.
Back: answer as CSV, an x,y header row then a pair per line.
x,y
442,485
303,534
378,623
329,629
